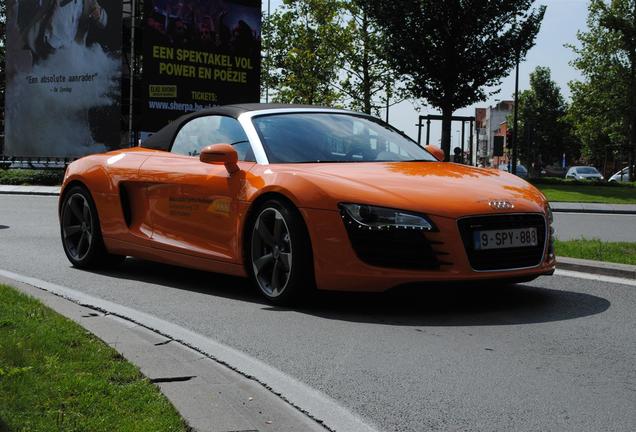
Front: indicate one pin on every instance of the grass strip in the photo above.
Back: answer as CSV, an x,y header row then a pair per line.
x,y
589,194
54,375
616,252
17,177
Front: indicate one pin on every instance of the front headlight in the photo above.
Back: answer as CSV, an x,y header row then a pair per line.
x,y
372,217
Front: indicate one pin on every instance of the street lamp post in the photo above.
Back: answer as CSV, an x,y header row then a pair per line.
x,y
514,121
267,86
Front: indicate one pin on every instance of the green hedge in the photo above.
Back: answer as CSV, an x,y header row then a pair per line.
x,y
572,182
48,177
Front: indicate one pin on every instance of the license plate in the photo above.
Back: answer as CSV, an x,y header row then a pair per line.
x,y
505,238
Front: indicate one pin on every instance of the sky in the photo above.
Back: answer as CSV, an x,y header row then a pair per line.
x,y
563,18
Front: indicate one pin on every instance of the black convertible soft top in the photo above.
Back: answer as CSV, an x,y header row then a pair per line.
x,y
162,139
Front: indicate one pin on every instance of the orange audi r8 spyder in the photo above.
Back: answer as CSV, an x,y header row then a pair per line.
x,y
297,197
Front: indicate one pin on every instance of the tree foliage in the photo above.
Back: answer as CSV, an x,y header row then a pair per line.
x,y
325,52
302,42
604,103
544,133
368,80
450,52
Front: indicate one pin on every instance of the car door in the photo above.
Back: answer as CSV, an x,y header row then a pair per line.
x,y
624,175
193,205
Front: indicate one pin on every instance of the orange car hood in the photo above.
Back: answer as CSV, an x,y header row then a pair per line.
x,y
444,189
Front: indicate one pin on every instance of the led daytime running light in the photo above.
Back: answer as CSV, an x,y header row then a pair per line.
x,y
379,218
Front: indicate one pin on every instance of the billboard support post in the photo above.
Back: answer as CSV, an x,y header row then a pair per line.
x,y
131,136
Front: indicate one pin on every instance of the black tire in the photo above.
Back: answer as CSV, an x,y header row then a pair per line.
x,y
278,244
81,233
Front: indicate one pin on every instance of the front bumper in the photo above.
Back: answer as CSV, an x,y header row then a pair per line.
x,y
338,268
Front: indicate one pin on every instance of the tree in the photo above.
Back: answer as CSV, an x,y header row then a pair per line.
x,y
603,109
302,43
544,133
449,52
367,74
326,52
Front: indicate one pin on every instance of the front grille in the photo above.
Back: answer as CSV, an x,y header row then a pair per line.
x,y
502,259
394,248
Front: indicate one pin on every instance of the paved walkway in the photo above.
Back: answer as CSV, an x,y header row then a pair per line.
x,y
30,190
210,397
593,208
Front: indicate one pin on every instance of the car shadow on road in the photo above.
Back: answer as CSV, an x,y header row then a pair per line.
x,y
203,282
415,305
455,305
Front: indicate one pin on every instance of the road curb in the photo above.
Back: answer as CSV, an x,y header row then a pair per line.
x,y
294,406
30,193
593,208
597,267
30,190
594,211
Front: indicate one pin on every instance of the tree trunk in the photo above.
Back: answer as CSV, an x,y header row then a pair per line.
x,y
447,116
366,81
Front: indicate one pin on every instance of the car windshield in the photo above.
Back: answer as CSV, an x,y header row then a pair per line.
x,y
333,137
586,170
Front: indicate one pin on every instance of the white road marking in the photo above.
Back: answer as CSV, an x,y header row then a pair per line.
x,y
308,400
595,277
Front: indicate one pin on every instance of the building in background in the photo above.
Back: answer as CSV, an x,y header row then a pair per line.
x,y
488,124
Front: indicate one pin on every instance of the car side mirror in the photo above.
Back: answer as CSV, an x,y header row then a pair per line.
x,y
435,151
220,154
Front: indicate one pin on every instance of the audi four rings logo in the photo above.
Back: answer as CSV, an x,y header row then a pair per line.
x,y
501,204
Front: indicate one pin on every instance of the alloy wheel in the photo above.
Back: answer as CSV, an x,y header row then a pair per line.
x,y
271,252
77,226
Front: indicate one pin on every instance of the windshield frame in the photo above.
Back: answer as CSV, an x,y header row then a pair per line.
x,y
246,120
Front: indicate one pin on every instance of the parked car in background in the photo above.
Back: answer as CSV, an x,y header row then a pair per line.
x,y
553,171
584,173
621,176
522,171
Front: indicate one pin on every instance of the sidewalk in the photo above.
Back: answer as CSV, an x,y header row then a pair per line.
x,y
593,208
30,190
209,396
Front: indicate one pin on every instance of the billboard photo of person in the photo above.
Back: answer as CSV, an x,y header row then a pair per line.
x,y
63,77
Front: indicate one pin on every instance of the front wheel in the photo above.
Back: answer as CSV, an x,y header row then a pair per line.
x,y
81,233
279,253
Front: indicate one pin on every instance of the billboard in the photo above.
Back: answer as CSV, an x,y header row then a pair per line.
x,y
63,77
198,54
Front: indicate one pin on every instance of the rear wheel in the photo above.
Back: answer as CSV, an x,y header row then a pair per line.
x,y
279,254
81,233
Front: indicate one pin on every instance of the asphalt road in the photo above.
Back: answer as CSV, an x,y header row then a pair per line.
x,y
608,227
555,354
